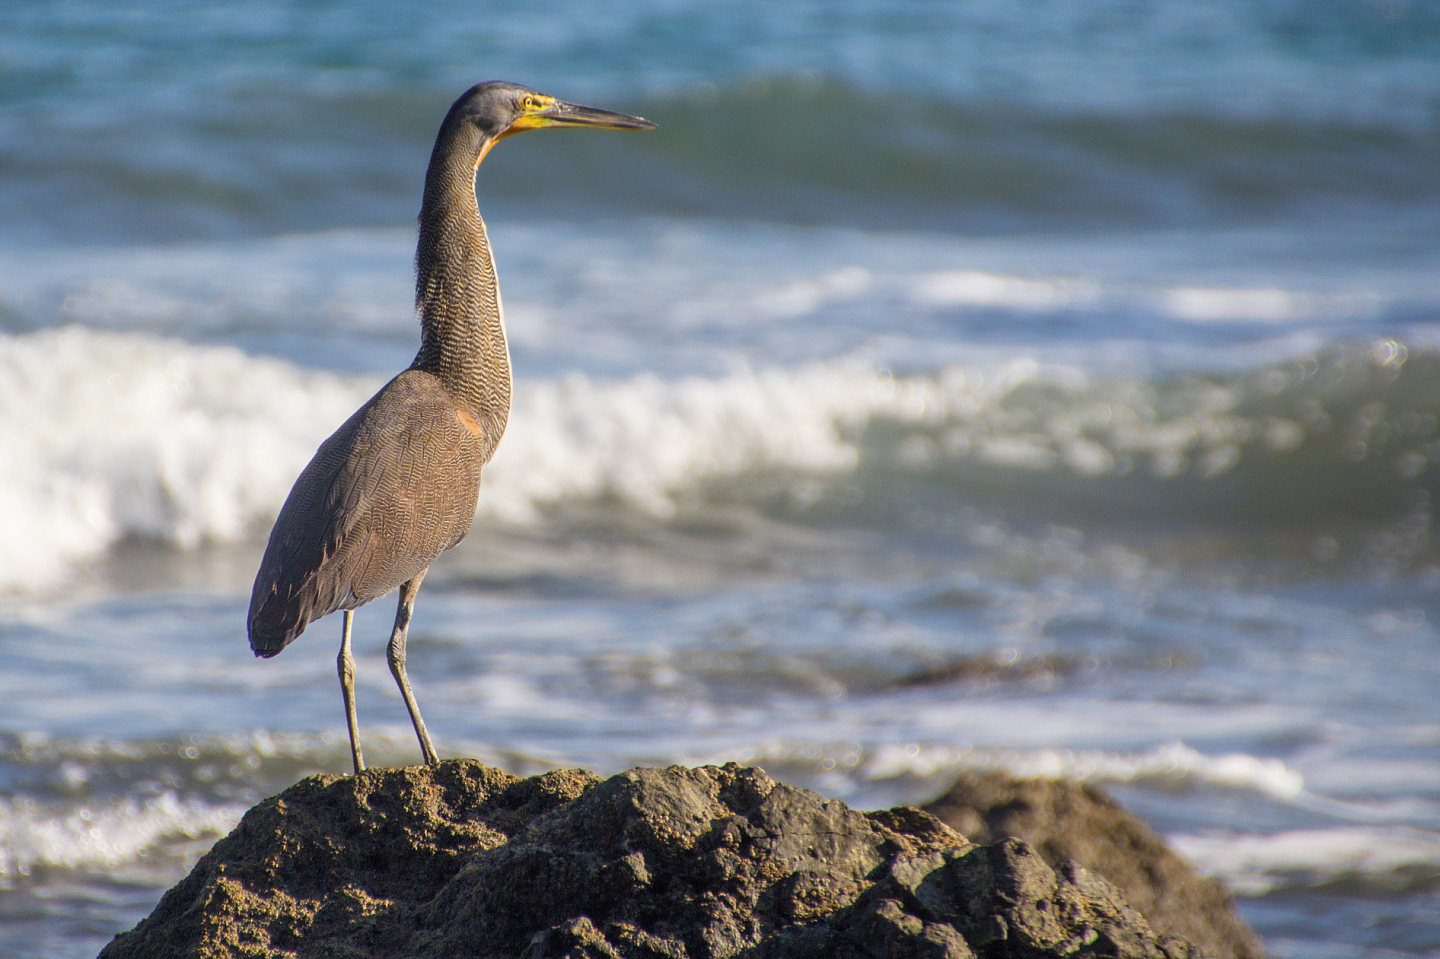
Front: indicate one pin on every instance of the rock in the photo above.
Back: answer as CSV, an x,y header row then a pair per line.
x,y
1067,822
464,860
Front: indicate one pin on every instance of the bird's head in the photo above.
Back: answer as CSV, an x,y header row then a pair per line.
x,y
497,109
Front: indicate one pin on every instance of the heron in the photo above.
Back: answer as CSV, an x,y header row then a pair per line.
x,y
397,484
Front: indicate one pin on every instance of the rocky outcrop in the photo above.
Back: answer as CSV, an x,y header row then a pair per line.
x,y
464,860
1065,821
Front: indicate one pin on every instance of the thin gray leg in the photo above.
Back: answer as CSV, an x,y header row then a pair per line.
x,y
395,653
346,665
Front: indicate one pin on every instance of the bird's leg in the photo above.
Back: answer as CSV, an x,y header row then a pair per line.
x,y
346,666
395,653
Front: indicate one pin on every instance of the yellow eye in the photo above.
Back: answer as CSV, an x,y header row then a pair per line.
x,y
528,103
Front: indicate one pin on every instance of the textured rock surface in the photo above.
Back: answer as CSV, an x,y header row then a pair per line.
x,y
1065,821
463,860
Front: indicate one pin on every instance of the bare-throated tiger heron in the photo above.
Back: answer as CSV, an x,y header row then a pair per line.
x,y
396,485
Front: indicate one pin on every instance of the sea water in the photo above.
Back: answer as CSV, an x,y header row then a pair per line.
x,y
939,387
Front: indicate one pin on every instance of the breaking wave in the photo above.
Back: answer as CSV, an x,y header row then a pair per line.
x,y
114,435
1378,859
34,834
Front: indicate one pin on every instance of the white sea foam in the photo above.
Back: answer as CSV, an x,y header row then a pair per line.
x,y
1253,865
1265,305
106,435
37,834
1171,763
975,288
1187,304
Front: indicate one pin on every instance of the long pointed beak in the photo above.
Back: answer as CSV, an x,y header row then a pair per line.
x,y
562,114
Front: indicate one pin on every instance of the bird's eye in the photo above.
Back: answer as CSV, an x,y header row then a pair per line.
x,y
528,103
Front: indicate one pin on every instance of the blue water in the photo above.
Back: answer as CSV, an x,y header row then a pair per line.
x,y
938,387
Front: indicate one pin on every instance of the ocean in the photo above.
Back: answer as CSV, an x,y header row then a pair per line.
x,y
1052,388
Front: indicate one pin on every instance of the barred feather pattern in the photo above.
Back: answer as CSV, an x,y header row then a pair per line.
x,y
456,293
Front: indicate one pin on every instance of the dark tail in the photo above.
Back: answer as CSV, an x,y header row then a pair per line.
x,y
274,623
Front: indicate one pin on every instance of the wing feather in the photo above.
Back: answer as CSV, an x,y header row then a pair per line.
x,y
389,491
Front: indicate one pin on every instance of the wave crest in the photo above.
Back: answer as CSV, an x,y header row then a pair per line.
x,y
114,435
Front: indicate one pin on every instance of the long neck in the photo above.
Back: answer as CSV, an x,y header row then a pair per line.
x,y
462,326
